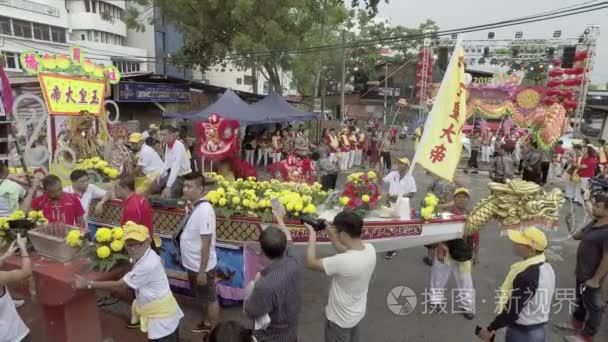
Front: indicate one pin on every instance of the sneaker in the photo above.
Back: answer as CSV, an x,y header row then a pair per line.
x,y
133,325
18,303
390,254
202,327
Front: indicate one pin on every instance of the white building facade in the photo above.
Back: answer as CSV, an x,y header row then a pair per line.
x,y
51,26
233,77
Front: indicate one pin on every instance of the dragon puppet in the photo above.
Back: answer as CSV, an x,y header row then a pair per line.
x,y
516,203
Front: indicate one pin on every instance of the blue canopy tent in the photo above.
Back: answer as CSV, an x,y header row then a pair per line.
x,y
276,108
229,106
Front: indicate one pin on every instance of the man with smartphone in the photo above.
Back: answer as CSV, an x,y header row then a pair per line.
x,y
350,271
275,301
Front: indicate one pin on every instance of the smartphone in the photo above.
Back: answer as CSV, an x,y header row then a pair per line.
x,y
277,207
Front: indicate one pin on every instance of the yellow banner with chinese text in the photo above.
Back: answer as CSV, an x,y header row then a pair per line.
x,y
440,145
72,95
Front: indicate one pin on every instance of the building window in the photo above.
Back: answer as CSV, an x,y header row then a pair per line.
x,y
94,6
126,66
41,32
83,37
22,28
160,41
58,34
87,5
89,35
5,25
239,81
519,35
248,80
11,60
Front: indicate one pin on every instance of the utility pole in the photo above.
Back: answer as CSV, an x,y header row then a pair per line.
x,y
343,74
385,91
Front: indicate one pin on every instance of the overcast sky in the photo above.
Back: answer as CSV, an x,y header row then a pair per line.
x,y
452,14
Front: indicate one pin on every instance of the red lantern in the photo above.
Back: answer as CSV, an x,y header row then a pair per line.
x,y
554,83
567,94
548,101
556,72
419,76
570,104
553,92
579,71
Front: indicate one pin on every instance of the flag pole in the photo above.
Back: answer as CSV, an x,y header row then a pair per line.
x,y
442,87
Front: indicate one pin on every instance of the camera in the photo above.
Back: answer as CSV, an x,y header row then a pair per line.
x,y
317,224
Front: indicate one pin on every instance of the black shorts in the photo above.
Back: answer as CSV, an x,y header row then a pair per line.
x,y
204,294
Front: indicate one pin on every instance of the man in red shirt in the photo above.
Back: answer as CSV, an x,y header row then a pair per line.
x,y
55,204
136,208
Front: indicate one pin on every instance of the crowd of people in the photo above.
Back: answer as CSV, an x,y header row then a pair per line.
x,y
274,298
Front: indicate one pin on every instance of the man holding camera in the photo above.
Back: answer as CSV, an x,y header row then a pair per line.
x,y
350,271
277,290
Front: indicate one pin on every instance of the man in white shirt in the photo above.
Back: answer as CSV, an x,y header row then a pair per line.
x,y
401,184
176,165
154,307
151,132
350,271
148,161
86,192
197,249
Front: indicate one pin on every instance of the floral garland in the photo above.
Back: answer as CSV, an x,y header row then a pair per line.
x,y
429,207
252,197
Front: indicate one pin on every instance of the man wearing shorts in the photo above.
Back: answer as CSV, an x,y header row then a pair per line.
x,y
197,247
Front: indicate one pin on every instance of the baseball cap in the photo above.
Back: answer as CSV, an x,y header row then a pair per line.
x,y
135,232
530,236
462,191
153,126
135,137
404,160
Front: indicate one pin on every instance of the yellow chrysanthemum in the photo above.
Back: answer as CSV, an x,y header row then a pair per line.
x,y
222,201
371,175
431,200
103,234
117,233
117,245
309,209
427,213
298,207
365,198
73,238
103,252
17,215
236,200
344,200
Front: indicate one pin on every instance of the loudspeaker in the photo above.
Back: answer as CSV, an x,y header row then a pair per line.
x,y
442,58
514,51
568,56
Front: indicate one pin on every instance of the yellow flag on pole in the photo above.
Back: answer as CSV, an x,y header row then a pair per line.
x,y
440,145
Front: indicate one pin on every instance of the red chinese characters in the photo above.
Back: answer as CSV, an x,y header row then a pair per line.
x,y
438,153
94,98
448,133
83,96
56,94
68,95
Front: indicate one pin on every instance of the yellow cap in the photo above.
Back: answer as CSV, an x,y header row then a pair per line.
x,y
153,126
404,160
135,232
462,191
530,236
135,137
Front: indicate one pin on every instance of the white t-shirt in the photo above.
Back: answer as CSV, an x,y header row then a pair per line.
x,y
12,328
201,222
149,160
400,186
351,272
149,281
93,192
177,160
